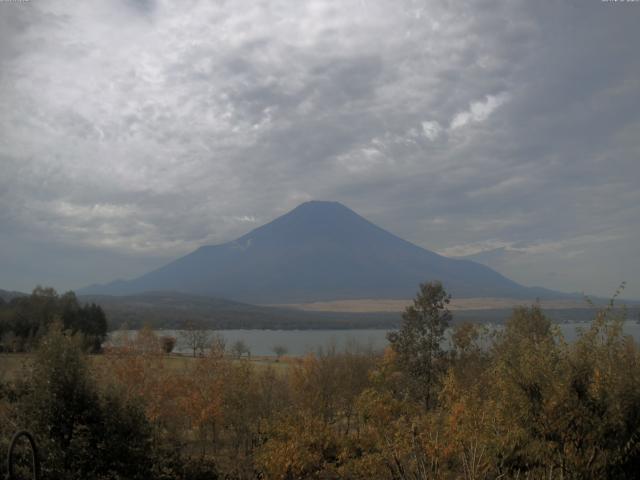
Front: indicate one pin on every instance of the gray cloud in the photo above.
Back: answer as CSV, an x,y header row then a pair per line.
x,y
142,129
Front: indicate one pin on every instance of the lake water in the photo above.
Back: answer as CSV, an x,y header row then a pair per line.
x,y
300,342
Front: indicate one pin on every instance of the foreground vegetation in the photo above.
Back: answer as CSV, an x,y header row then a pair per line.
x,y
24,320
519,403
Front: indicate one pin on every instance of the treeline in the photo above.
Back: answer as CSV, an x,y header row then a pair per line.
x,y
24,320
169,310
512,404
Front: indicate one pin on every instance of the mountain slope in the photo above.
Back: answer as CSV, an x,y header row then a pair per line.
x,y
318,251
7,295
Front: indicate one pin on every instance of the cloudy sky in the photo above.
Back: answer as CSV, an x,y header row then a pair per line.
x,y
133,131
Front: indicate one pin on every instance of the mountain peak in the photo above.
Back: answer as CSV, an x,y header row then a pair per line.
x,y
321,207
312,221
321,204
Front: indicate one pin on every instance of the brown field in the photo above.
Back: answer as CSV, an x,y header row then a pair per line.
x,y
370,305
15,365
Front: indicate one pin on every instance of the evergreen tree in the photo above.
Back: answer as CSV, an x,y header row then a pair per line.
x,y
82,434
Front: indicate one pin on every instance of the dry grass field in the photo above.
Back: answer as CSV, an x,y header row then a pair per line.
x,y
369,305
14,365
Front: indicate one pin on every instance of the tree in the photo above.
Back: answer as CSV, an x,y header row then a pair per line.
x,y
217,345
418,342
93,326
239,348
62,398
147,342
195,337
571,409
81,434
279,350
89,320
167,344
29,318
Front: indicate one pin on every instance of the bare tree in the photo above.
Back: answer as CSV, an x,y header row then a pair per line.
x,y
279,350
239,348
218,345
195,337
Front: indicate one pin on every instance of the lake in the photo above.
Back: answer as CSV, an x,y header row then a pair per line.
x,y
301,342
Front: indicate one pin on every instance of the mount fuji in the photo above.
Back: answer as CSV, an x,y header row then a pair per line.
x,y
319,251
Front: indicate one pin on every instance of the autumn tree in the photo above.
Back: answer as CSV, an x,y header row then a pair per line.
x,y
572,409
418,342
319,431
202,394
167,343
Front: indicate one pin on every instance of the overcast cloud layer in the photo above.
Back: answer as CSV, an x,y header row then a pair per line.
x,y
132,132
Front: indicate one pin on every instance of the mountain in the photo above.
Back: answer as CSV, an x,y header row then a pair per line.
x,y
7,295
318,251
491,258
